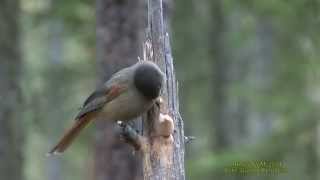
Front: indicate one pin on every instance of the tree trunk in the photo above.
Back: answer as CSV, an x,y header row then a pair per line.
x,y
53,166
11,141
119,36
163,157
221,64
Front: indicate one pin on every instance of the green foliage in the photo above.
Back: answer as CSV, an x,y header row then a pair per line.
x,y
288,97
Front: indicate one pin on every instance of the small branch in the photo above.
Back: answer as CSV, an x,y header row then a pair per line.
x,y
189,139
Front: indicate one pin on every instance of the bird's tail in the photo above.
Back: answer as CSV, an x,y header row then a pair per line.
x,y
71,134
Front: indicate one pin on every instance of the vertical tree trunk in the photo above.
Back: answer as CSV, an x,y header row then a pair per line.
x,y
119,37
163,158
220,77
11,141
260,77
53,165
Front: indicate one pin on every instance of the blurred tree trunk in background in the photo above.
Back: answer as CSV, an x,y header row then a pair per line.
x,y
120,26
260,77
54,73
224,124
240,117
11,133
218,52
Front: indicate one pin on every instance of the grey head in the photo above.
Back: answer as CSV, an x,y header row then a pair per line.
x,y
148,79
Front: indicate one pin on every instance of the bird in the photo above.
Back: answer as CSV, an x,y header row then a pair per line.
x,y
127,94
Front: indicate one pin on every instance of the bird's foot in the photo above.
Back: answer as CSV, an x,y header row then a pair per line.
x,y
129,135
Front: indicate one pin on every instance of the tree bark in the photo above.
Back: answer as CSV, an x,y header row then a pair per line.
x,y
120,26
163,157
11,141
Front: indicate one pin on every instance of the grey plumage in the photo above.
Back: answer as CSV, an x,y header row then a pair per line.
x,y
126,95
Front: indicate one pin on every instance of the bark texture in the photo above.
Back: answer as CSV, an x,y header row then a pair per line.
x,y
11,142
120,26
163,157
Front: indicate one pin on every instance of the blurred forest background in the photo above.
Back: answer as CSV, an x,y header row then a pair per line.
x,y
248,76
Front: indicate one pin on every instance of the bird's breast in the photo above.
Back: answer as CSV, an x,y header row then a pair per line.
x,y
128,105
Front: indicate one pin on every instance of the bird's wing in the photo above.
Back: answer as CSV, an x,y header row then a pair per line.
x,y
116,85
100,92
99,98
112,89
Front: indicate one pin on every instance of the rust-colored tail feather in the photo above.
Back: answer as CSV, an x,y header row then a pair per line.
x,y
71,134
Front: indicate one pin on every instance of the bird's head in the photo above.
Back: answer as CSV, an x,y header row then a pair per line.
x,y
148,79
